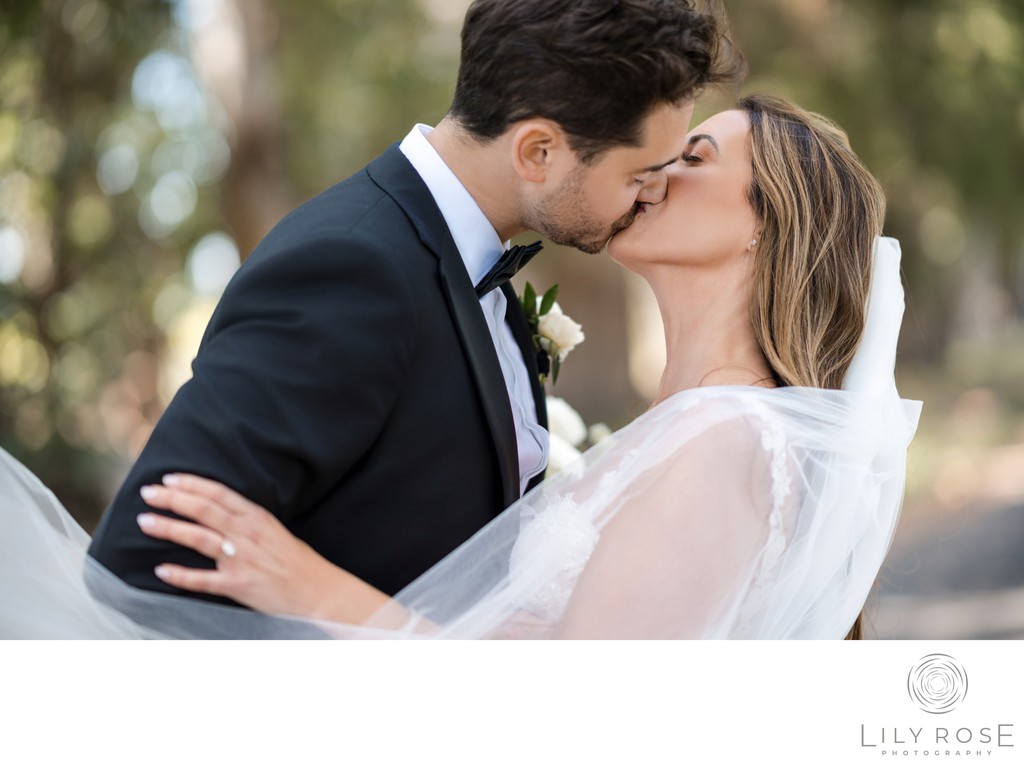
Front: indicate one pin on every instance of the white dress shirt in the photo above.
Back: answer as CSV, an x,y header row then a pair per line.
x,y
480,248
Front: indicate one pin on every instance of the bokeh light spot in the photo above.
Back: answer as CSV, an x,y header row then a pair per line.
x,y
212,263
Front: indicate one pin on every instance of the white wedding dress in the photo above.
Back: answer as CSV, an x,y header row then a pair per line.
x,y
728,512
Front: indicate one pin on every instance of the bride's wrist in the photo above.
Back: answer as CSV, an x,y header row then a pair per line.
x,y
328,594
337,595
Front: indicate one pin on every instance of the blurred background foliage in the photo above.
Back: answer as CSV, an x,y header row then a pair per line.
x,y
146,147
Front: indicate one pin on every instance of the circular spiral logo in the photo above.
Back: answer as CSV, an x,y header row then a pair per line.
x,y
937,683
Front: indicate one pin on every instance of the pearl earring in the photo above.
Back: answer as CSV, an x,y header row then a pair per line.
x,y
753,242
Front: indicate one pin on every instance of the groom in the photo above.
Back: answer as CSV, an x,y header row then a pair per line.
x,y
364,378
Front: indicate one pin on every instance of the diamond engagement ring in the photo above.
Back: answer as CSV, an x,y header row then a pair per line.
x,y
228,549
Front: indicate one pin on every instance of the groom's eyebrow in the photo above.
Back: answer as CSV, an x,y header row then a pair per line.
x,y
703,137
662,166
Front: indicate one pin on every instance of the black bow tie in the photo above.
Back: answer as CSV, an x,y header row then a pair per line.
x,y
510,262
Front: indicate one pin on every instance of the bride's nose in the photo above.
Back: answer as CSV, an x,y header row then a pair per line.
x,y
653,192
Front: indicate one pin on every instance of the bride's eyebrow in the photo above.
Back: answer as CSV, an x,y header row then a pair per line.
x,y
696,139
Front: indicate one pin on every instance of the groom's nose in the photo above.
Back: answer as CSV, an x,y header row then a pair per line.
x,y
654,190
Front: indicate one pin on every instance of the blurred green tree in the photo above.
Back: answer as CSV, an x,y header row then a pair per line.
x,y
143,146
146,147
930,94
76,341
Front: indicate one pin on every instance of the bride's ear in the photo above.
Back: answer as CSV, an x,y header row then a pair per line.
x,y
536,146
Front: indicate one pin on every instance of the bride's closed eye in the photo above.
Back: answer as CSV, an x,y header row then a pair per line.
x,y
702,142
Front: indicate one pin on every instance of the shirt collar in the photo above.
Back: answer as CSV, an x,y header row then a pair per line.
x,y
474,235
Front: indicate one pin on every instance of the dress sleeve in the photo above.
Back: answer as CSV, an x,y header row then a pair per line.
x,y
682,541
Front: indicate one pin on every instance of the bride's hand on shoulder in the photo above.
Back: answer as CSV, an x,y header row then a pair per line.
x,y
259,563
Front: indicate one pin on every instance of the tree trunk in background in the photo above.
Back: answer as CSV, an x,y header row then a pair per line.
x,y
234,55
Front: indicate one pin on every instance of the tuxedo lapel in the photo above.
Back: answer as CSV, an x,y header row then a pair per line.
x,y
524,337
521,331
483,358
396,176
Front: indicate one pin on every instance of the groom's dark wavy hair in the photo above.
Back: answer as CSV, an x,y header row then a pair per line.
x,y
595,67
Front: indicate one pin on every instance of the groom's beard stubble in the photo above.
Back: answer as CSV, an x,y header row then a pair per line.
x,y
565,219
589,240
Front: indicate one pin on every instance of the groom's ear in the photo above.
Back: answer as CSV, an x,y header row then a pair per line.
x,y
539,146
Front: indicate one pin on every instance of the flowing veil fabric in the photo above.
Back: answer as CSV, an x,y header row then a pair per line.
x,y
721,513
725,512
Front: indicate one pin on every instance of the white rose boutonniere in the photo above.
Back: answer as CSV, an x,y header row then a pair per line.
x,y
555,334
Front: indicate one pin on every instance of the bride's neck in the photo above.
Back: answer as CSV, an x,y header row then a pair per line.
x,y
709,338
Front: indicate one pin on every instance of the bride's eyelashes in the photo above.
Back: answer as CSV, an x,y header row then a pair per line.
x,y
692,158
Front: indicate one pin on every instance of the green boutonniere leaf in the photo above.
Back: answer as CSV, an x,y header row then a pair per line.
x,y
548,300
529,302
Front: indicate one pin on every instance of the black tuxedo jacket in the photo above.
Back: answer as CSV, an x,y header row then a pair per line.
x,y
348,383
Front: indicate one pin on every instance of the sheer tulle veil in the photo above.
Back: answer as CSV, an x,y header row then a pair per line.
x,y
724,512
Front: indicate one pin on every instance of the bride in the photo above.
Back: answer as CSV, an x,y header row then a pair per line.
x,y
756,498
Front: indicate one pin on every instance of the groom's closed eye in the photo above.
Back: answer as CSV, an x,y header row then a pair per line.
x,y
640,177
656,168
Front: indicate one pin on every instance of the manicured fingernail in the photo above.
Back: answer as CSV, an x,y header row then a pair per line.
x,y
162,572
149,492
146,520
171,480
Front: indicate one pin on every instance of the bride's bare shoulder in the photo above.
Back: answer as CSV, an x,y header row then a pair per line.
x,y
730,412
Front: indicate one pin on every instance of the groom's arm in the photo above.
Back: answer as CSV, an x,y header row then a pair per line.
x,y
298,371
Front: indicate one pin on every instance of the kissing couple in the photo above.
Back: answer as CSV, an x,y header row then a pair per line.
x,y
360,449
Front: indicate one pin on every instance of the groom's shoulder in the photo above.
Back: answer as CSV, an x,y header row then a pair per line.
x,y
353,223
354,210
353,233
383,204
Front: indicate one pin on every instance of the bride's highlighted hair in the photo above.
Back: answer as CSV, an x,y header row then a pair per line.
x,y
819,211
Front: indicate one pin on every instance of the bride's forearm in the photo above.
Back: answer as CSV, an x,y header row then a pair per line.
x,y
346,599
343,597
268,569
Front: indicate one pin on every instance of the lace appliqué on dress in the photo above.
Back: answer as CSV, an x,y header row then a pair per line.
x,y
560,537
554,546
773,441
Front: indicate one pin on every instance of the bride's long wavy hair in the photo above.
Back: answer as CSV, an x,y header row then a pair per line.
x,y
819,211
